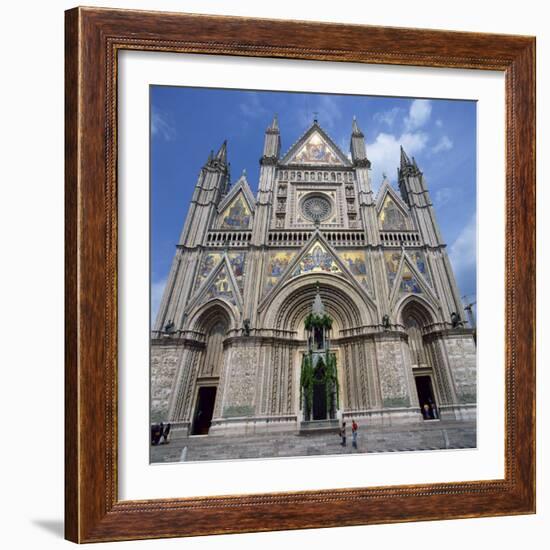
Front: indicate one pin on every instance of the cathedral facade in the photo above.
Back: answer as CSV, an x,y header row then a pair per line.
x,y
228,345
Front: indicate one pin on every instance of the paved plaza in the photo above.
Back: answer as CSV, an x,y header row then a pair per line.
x,y
430,435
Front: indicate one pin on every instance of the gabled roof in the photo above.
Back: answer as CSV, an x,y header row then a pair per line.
x,y
224,264
404,263
241,185
313,140
385,189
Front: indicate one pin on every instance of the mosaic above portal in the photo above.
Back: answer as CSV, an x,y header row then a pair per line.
x,y
391,259
316,151
277,264
208,263
419,261
409,283
316,259
236,259
212,259
236,215
391,217
355,261
221,287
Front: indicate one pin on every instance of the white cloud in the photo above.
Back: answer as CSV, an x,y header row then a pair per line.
x,y
157,290
162,125
384,153
326,109
444,144
252,107
443,196
387,117
344,145
462,254
439,123
419,113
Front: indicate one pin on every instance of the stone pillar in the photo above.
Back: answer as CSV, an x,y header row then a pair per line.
x,y
397,389
165,358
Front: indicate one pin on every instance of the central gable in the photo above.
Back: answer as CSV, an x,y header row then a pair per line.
x,y
315,148
316,259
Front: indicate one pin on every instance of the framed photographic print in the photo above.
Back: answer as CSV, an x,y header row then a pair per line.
x,y
300,275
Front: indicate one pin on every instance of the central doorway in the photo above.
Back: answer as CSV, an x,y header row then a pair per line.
x,y
319,394
426,397
204,410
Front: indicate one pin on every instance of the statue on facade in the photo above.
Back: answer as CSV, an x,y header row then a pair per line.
x,y
386,322
246,327
455,319
169,327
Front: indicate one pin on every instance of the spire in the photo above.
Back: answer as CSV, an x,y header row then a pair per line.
x,y
405,161
272,143
355,128
318,307
357,146
221,155
274,124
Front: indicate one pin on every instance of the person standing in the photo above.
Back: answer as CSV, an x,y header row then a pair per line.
x,y
166,432
426,411
354,428
156,433
343,434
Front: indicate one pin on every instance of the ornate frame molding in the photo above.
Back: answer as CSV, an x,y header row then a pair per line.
x,y
93,39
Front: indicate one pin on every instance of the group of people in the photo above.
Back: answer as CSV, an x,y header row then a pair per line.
x,y
158,432
354,431
429,411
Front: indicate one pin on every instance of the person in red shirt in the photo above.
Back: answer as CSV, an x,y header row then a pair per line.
x,y
354,428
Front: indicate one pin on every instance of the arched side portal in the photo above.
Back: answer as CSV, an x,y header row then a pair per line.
x,y
196,387
429,375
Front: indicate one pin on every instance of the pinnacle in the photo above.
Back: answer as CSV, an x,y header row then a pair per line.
x,y
405,161
274,124
221,155
355,127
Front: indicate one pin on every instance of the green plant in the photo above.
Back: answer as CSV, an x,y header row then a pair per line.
x,y
331,377
306,382
318,321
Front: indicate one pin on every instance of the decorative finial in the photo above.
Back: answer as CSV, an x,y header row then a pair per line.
x,y
318,306
315,113
356,131
274,123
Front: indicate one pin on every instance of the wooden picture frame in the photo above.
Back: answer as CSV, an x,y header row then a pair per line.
x,y
93,39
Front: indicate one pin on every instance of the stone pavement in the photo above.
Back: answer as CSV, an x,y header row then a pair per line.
x,y
430,435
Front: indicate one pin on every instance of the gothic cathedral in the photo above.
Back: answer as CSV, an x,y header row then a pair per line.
x,y
255,276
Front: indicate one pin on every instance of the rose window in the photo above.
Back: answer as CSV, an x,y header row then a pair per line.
x,y
316,208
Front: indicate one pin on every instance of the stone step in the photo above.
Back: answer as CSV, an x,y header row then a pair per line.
x,y
428,436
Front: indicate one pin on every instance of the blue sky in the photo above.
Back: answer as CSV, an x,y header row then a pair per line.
x,y
186,123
